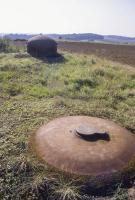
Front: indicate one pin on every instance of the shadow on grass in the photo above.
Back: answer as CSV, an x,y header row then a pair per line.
x,y
58,58
106,185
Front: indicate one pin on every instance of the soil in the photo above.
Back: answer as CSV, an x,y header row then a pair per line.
x,y
120,53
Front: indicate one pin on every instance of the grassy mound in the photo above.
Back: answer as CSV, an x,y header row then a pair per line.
x,y
33,92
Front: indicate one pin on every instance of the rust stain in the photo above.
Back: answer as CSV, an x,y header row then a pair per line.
x,y
57,144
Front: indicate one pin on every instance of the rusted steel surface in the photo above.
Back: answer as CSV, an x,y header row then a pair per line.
x,y
58,144
91,134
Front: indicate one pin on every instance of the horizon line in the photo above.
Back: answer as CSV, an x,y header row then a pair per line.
x,y
33,33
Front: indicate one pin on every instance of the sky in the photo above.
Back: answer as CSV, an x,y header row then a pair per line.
x,y
108,17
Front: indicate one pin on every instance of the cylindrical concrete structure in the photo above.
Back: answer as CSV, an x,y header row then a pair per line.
x,y
41,46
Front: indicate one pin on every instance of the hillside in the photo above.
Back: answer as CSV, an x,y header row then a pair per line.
x,y
119,39
90,37
119,53
34,91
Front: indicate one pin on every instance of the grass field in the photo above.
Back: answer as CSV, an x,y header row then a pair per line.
x,y
123,53
32,92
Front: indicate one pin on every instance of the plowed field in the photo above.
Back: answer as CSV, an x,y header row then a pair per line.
x,y
121,53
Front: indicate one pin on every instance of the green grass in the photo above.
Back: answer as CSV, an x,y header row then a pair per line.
x,y
33,92
7,46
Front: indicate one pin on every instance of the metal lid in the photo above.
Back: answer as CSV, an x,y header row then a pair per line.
x,y
85,145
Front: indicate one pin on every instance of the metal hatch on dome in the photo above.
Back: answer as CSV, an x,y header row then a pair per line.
x,y
84,145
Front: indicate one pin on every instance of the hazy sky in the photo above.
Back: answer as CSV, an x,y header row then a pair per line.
x,y
68,16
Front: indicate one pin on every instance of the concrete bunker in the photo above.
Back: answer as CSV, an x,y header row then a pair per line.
x,y
42,46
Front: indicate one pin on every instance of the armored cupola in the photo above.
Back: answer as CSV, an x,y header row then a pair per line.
x,y
41,46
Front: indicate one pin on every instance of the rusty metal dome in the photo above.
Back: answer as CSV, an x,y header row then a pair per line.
x,y
85,145
41,46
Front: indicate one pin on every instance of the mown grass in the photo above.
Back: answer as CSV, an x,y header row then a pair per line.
x,y
33,92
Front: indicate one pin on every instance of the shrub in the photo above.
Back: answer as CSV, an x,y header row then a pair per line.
x,y
6,46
